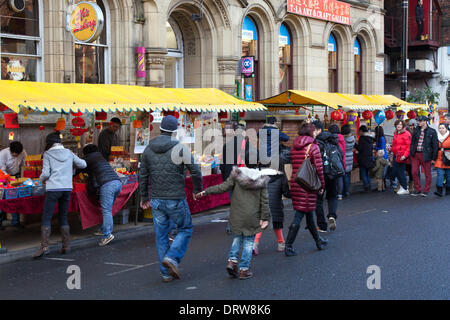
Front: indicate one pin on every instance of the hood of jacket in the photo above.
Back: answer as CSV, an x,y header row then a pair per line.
x,y
302,142
349,139
252,179
269,128
328,137
162,143
366,137
58,153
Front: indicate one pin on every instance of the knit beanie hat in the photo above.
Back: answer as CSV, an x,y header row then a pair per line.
x,y
169,124
271,120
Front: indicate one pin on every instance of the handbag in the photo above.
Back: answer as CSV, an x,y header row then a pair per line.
x,y
446,156
307,176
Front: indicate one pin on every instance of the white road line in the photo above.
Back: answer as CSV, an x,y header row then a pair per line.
x,y
131,269
59,259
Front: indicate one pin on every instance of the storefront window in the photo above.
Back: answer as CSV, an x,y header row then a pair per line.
x,y
358,68
174,67
332,64
250,85
20,42
91,59
285,58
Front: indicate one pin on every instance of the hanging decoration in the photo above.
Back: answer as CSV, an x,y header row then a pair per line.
x,y
411,114
78,122
367,115
389,115
41,128
351,116
379,117
11,121
423,113
223,115
11,136
242,114
3,107
400,114
151,127
137,124
101,116
336,115
76,114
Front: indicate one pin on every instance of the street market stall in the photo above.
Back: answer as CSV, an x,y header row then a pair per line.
x,y
85,109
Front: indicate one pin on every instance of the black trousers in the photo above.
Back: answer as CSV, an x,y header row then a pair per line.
x,y
331,195
52,198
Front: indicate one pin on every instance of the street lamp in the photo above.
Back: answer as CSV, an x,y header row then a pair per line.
x,y
404,53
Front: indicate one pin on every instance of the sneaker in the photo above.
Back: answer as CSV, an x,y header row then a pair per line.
x,y
255,249
339,197
424,194
98,233
245,274
416,193
105,241
232,268
167,278
173,270
320,230
402,191
332,223
281,247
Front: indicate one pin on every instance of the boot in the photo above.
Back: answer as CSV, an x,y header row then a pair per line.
x,y
65,235
320,242
43,250
439,191
288,249
411,187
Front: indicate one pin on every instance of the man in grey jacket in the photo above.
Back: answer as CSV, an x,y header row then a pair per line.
x,y
57,172
162,171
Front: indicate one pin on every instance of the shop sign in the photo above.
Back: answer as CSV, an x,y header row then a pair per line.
x,y
248,92
248,66
86,22
329,10
247,35
15,70
282,40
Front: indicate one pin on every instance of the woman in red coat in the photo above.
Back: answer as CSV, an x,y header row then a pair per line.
x,y
304,202
400,148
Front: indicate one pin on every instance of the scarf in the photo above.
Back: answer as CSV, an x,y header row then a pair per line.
x,y
441,137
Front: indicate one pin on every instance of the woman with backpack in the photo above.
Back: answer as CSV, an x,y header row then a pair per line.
x,y
349,144
304,201
340,182
442,168
365,156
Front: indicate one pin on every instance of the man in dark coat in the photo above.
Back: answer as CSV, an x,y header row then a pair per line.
x,y
105,182
162,171
424,150
365,155
331,186
108,138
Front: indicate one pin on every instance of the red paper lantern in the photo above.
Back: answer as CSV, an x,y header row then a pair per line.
x,y
60,124
78,131
11,121
367,115
101,115
137,124
389,115
151,118
242,114
76,114
176,114
411,114
78,122
41,128
336,115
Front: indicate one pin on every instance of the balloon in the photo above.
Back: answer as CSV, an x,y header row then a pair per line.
x,y
379,117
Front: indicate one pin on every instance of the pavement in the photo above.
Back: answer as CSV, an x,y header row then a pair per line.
x,y
405,238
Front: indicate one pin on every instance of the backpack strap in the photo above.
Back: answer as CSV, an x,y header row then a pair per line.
x,y
307,151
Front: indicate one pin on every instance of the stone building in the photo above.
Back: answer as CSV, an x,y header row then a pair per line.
x,y
199,43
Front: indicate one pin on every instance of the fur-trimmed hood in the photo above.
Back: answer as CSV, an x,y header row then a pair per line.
x,y
252,179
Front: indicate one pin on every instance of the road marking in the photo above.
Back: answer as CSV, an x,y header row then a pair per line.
x,y
59,259
191,288
131,269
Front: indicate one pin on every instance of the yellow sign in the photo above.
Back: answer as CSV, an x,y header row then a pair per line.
x,y
86,22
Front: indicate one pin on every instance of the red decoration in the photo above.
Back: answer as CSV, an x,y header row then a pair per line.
x,y
137,124
151,127
76,114
176,114
11,121
336,115
389,115
367,115
242,114
223,115
411,114
60,124
151,118
3,107
98,127
78,131
101,115
41,128
78,122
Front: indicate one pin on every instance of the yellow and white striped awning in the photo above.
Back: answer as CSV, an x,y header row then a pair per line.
x,y
66,97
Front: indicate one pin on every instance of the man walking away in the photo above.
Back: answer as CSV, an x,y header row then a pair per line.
x,y
424,151
162,171
108,138
104,182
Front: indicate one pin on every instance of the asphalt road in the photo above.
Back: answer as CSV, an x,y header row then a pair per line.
x,y
406,237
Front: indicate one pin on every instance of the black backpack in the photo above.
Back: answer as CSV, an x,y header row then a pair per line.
x,y
333,161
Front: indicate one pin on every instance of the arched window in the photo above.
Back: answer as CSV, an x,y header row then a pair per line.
x,y
21,41
174,69
332,64
250,48
92,63
285,58
358,67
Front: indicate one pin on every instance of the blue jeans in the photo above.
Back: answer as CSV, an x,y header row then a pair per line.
x,y
365,176
62,198
164,211
14,221
108,194
440,177
347,179
246,242
399,172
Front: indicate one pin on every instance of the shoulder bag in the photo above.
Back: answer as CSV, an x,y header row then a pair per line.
x,y
307,176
